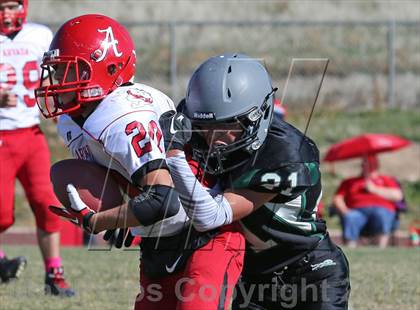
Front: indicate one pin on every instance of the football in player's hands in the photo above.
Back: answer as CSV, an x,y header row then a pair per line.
x,y
99,188
176,129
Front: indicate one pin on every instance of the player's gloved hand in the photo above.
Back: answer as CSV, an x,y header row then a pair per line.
x,y
78,212
119,236
176,129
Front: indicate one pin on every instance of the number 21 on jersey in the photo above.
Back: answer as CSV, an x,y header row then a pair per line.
x,y
272,180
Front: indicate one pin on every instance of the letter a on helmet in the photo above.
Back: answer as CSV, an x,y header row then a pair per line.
x,y
101,54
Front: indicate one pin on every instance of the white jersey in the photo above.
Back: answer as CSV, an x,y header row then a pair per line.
x,y
20,60
123,134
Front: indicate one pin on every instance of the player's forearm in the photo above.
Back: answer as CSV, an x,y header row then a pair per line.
x,y
205,211
155,203
392,194
119,217
340,204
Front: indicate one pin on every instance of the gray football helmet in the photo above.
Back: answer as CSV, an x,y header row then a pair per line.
x,y
229,88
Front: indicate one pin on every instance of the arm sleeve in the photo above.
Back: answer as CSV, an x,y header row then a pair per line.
x,y
205,211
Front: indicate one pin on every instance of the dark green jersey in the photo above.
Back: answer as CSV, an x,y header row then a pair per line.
x,y
288,165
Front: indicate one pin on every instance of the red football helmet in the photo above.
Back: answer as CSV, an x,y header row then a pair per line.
x,y
13,20
89,57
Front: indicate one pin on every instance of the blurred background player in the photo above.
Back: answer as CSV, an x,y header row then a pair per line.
x,y
24,151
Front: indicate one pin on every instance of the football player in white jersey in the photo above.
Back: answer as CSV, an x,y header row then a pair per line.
x,y
108,119
24,151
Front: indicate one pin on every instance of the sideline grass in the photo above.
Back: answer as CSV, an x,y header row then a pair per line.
x,y
381,279
102,279
385,279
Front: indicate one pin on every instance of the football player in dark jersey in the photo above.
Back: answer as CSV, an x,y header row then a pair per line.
x,y
268,173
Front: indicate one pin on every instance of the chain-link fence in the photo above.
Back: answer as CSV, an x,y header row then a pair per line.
x,y
370,63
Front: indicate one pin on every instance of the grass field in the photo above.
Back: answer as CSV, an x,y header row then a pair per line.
x,y
381,279
327,127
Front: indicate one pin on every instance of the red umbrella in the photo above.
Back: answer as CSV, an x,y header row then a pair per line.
x,y
364,145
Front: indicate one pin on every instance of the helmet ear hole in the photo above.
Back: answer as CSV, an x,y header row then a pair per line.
x,y
112,69
228,93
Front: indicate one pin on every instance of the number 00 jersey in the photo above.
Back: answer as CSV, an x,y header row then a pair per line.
x,y
287,164
20,73
123,134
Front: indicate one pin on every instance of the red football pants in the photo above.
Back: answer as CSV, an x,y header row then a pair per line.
x,y
206,283
24,155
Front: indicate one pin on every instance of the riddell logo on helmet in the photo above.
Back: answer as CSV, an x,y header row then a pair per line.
x,y
204,115
109,40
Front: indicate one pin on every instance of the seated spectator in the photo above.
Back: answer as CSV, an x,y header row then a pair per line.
x,y
368,203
